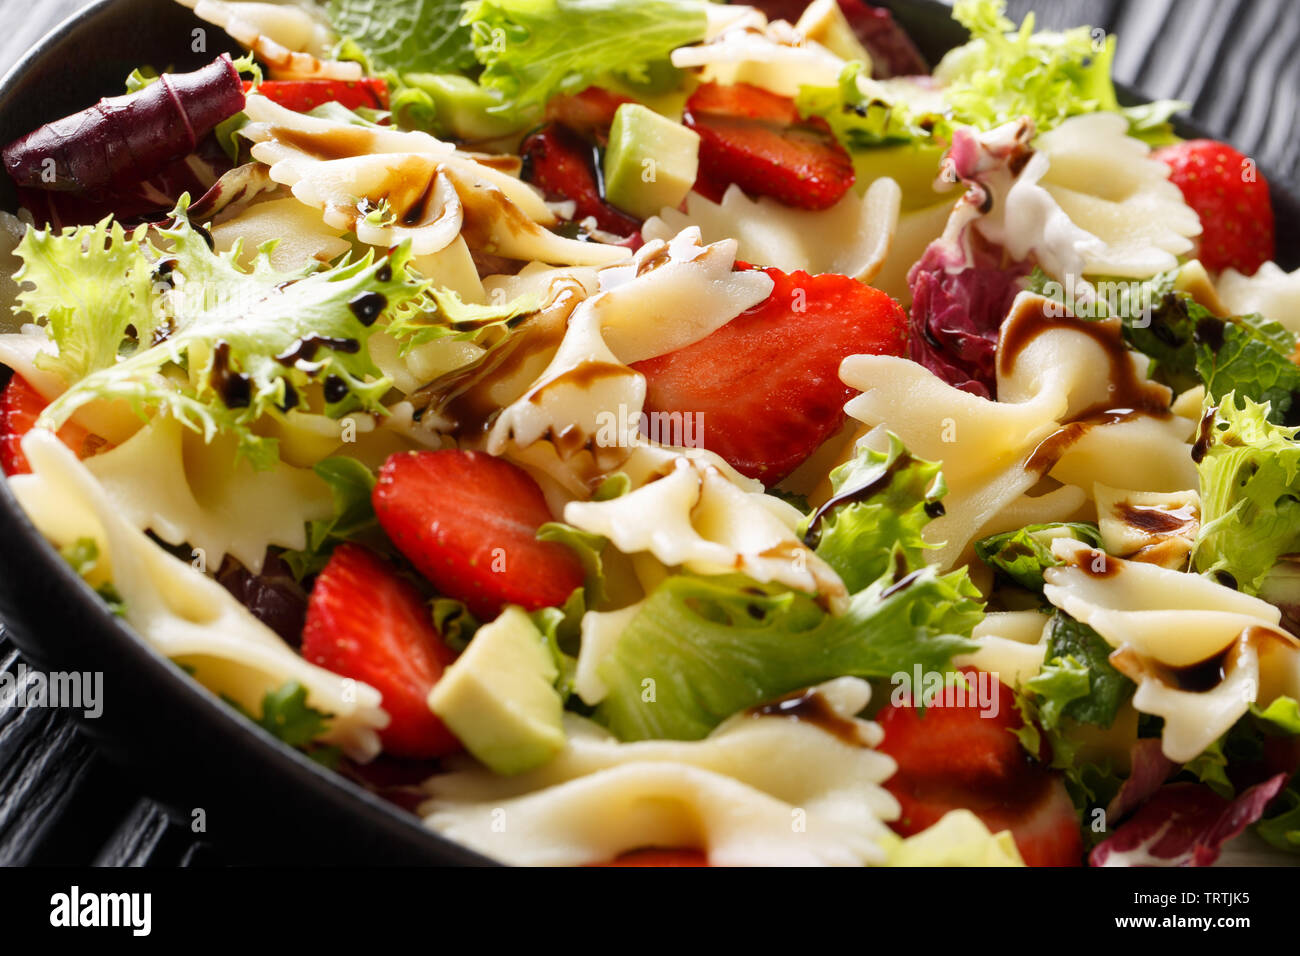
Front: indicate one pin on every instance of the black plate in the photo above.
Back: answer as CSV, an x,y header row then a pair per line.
x,y
265,801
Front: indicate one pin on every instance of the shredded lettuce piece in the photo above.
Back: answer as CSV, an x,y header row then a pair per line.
x,y
1022,555
211,343
287,716
702,649
534,49
1250,494
882,502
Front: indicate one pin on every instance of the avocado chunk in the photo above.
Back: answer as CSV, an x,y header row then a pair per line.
x,y
499,696
461,106
650,162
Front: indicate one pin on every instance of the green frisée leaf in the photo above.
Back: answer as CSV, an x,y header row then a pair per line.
x,y
441,313
1250,493
702,649
867,120
873,521
534,49
1022,555
90,285
1006,72
213,344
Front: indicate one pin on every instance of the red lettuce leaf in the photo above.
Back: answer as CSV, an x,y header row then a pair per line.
x,y
1151,768
1184,824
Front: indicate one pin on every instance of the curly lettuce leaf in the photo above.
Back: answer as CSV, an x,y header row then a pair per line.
x,y
402,35
1250,494
94,287
534,49
862,121
225,345
702,649
1078,681
872,523
1022,555
441,313
1006,72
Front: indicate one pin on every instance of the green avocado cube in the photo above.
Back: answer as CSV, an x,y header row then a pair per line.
x,y
651,161
499,696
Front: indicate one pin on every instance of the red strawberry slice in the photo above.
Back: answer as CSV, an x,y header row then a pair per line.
x,y
767,383
469,522
590,113
952,757
20,406
303,96
758,141
366,622
1231,197
562,165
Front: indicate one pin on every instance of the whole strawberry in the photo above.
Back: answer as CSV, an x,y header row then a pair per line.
x,y
1231,196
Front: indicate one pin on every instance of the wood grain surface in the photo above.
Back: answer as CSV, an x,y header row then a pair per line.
x,y
1235,61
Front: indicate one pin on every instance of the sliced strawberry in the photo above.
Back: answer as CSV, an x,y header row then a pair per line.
x,y
955,757
469,522
767,383
562,165
758,141
1231,196
590,113
660,858
20,406
302,96
366,622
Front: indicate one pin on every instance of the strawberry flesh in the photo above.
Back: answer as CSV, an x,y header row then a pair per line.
x,y
961,757
366,622
757,140
767,384
20,406
560,163
1232,198
468,522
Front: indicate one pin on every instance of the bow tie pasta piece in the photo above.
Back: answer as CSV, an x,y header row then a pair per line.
x,y
587,401
600,798
388,186
775,56
165,479
1165,624
1271,292
696,518
1058,380
181,612
854,237
287,38
1085,199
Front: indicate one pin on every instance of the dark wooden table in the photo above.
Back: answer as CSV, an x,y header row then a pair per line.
x,y
1236,61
